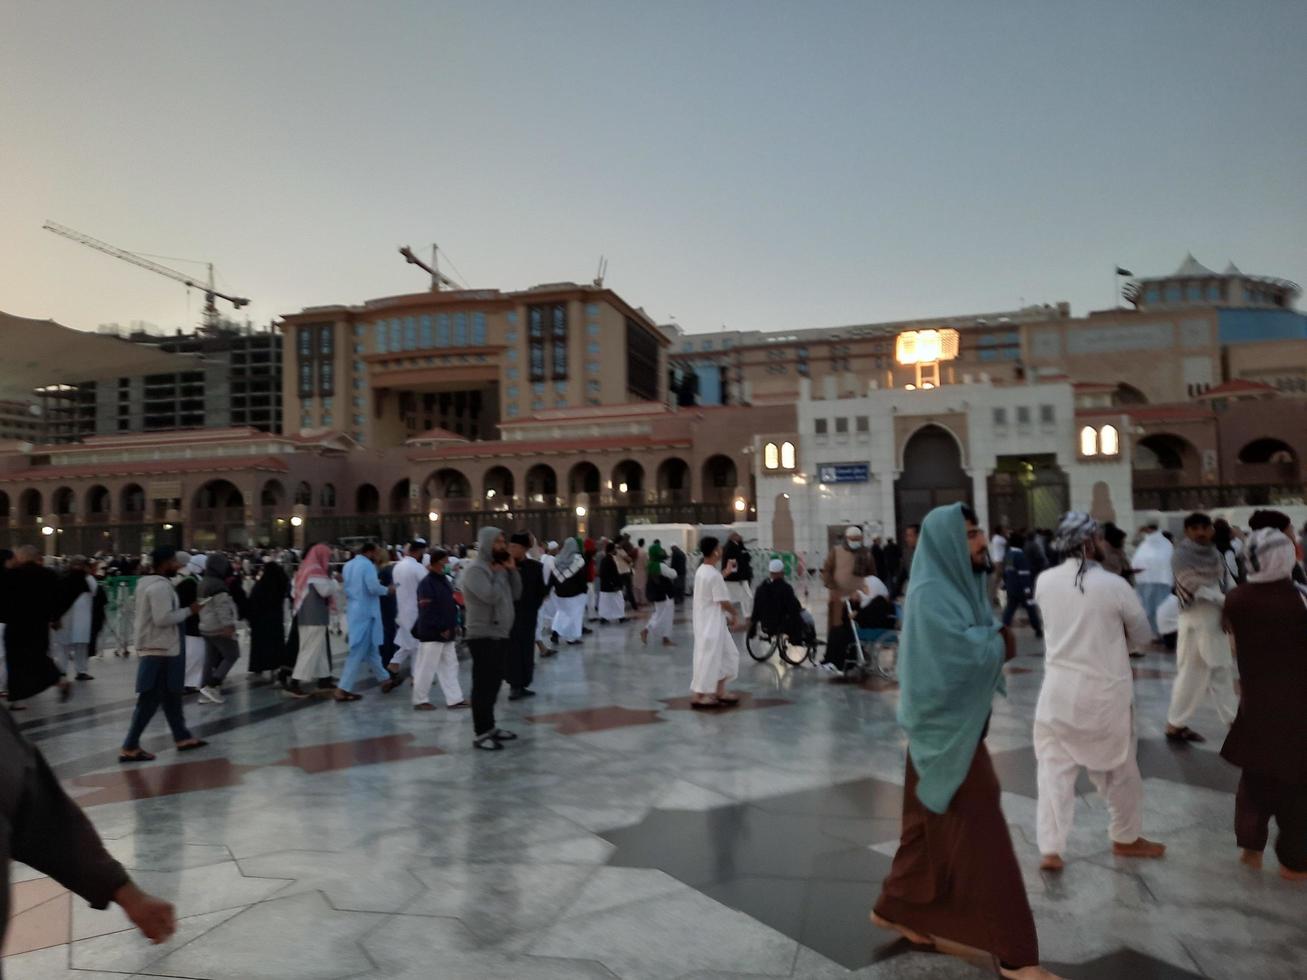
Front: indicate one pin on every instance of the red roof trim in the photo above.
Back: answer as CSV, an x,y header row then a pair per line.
x,y
163,467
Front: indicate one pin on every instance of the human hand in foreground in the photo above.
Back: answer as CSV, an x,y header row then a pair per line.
x,y
156,918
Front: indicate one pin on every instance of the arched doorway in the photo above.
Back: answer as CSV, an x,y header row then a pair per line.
x,y
218,516
366,499
541,486
29,504
1128,395
450,488
584,478
673,478
628,482
932,476
1267,460
497,488
399,497
1166,460
720,478
4,507
304,494
98,504
131,503
64,502
327,496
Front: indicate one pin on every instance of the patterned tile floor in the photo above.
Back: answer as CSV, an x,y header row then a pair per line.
x,y
620,837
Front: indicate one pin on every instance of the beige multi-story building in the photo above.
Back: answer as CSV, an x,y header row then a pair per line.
x,y
465,361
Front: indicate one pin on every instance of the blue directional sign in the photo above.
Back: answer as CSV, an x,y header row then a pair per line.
x,y
843,472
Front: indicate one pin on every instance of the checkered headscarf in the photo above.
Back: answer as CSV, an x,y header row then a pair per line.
x,y
1075,528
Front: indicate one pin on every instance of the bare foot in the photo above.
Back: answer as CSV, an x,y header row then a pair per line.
x,y
644,637
1141,848
911,935
1288,875
1251,858
1051,862
1028,973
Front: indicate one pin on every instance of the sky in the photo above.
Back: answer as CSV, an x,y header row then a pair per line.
x,y
742,164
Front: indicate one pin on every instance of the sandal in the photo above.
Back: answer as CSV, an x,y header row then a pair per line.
x,y
344,696
192,745
729,700
139,756
499,735
705,705
488,743
424,706
1185,734
460,704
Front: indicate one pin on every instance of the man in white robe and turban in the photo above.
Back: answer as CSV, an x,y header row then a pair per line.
x,y
716,657
1085,715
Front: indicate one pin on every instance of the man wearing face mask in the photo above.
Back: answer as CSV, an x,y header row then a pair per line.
x,y
844,574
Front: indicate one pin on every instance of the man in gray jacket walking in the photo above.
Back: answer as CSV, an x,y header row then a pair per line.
x,y
490,585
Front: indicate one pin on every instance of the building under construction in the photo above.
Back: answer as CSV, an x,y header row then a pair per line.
x,y
235,381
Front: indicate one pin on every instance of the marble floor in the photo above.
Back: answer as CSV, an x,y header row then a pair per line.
x,y
622,836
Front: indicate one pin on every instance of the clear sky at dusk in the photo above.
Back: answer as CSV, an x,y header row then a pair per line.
x,y
755,164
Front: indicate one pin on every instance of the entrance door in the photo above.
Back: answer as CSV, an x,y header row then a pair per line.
x,y
932,476
1028,492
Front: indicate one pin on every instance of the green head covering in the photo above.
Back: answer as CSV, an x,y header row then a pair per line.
x,y
656,558
950,658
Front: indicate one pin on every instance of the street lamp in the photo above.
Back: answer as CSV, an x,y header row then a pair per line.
x,y
580,510
297,521
432,516
740,505
47,530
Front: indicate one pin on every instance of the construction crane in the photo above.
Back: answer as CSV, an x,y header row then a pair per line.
x,y
438,278
210,293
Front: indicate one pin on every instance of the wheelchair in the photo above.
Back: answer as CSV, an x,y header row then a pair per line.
x,y
762,644
872,652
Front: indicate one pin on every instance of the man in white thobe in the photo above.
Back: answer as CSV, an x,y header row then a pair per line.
x,y
72,641
1153,579
407,576
545,620
1203,659
1085,715
716,657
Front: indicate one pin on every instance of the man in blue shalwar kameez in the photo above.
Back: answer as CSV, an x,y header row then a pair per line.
x,y
363,592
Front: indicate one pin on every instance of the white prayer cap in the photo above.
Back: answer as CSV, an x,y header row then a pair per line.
x,y
853,531
776,565
553,545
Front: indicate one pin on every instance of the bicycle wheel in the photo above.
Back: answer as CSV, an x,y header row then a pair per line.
x,y
886,656
760,647
793,654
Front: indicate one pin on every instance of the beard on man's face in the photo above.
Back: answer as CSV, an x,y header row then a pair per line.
x,y
500,556
982,562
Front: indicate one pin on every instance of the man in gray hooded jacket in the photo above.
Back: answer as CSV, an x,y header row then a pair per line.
x,y
490,586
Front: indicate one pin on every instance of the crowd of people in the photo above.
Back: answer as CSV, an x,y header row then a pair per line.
x,y
954,592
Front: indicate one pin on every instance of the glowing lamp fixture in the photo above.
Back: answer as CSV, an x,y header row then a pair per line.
x,y
740,505
580,510
490,494
621,488
432,516
297,521
47,530
926,346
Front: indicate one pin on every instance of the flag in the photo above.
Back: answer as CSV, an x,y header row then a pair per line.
x,y
1123,272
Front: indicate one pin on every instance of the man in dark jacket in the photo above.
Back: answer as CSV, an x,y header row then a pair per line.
x,y
778,609
41,827
739,583
1019,584
436,631
526,612
490,585
29,607
680,566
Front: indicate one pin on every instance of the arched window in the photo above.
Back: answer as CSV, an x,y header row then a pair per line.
x,y
1088,441
1108,441
787,456
771,456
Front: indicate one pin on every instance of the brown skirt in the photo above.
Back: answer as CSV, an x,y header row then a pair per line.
x,y
955,875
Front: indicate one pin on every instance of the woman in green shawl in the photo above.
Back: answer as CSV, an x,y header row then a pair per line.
x,y
955,877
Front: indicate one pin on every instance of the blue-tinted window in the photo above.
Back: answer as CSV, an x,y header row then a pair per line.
x,y
442,330
306,341
512,410
396,335
707,345
359,330
410,333
424,331
511,373
560,388
592,329
510,336
989,355
1173,294
511,354
538,388
1195,293
478,329
1152,294
512,391
511,316
1012,354
591,309
592,367
460,329
381,336
592,347
1214,291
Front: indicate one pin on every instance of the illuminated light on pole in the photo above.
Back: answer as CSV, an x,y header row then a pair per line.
x,y
297,521
433,517
740,505
580,511
47,530
925,349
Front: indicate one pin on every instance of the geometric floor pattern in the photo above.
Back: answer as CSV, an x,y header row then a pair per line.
x,y
620,836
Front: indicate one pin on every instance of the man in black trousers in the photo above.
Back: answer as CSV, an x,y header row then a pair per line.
x,y
526,611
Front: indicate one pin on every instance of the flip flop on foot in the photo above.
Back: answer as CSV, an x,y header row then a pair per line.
x,y
343,696
191,744
140,755
705,704
424,706
911,935
730,700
